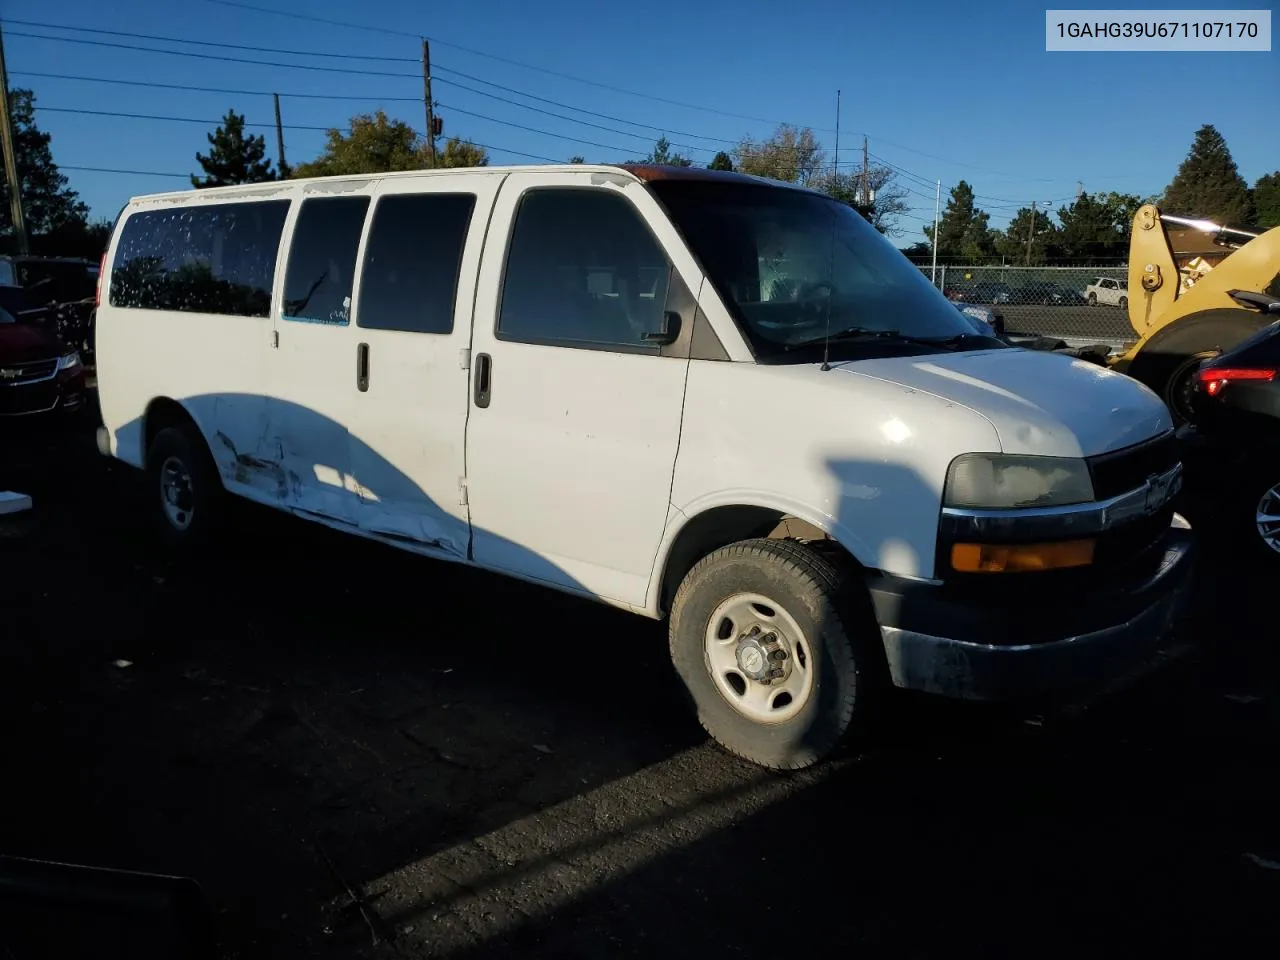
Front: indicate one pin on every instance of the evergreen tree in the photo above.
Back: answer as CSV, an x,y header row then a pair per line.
x,y
233,157
1209,185
1266,199
721,161
963,230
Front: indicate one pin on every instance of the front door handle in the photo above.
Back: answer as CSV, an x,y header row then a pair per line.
x,y
362,367
483,375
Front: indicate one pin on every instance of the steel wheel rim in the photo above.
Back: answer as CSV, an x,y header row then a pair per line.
x,y
744,635
176,493
1267,518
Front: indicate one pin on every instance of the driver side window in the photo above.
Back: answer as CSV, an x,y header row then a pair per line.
x,y
583,271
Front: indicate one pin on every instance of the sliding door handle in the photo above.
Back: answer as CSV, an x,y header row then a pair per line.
x,y
483,378
362,367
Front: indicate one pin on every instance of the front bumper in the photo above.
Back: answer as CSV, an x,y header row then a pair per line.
x,y
941,644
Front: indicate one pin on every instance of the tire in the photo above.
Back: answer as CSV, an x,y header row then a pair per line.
x,y
1092,299
1169,360
835,666
195,516
1124,304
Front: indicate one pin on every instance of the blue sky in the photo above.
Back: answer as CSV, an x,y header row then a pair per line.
x,y
944,90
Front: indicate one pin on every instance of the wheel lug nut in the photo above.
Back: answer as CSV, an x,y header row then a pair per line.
x,y
775,672
779,655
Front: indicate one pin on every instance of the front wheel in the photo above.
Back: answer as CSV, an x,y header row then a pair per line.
x,y
1093,299
780,654
1124,303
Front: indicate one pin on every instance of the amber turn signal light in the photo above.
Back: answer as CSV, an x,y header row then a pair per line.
x,y
1021,557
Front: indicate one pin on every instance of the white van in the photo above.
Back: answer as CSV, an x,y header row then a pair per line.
x,y
689,394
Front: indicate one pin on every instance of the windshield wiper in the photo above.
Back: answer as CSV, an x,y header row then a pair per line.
x,y
866,333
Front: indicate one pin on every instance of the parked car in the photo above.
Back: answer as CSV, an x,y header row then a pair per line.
x,y
1233,444
984,291
1046,294
39,374
1105,290
831,489
66,286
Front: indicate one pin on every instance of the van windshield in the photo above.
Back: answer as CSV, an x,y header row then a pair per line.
x,y
790,264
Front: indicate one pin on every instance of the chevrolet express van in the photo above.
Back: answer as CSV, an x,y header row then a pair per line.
x,y
697,396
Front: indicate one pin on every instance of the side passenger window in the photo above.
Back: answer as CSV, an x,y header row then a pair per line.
x,y
322,259
410,274
582,270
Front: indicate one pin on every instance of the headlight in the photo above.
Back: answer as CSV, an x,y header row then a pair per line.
x,y
996,481
69,361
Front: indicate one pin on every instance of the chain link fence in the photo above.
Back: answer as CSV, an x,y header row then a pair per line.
x,y
1084,304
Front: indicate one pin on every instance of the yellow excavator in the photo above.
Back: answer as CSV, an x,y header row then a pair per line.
x,y
1194,292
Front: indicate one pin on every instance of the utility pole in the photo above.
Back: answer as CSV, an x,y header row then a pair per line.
x,y
835,154
866,174
11,160
937,214
280,161
426,96
1032,232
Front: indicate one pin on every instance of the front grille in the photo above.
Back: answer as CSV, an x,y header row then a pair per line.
x,y
17,374
1127,469
31,398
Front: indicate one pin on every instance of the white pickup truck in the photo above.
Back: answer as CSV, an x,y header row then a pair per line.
x,y
698,396
1105,290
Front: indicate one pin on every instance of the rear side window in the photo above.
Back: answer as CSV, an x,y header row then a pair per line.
x,y
215,258
322,259
410,275
583,270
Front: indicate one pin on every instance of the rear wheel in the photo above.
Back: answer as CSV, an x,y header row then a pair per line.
x,y
779,653
1124,303
1092,299
185,487
1168,361
1256,512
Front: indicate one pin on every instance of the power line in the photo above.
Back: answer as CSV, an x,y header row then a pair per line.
x,y
136,173
213,56
500,59
171,119
210,43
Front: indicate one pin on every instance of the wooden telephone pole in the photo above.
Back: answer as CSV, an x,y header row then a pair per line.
x,y
11,160
280,161
426,96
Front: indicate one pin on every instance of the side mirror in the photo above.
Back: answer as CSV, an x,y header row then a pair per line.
x,y
668,332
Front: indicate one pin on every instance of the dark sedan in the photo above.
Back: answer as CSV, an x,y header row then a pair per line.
x,y
38,373
1232,447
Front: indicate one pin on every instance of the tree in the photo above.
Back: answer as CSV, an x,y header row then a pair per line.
x,y
888,199
917,251
721,161
1098,227
233,157
374,143
577,159
962,230
461,153
1209,185
1037,228
792,154
661,155
48,204
1266,200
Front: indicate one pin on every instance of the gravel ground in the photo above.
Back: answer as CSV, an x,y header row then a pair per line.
x,y
494,770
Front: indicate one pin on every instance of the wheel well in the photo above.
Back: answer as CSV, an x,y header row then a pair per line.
x,y
161,414
719,527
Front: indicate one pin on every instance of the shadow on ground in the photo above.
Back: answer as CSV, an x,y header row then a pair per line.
x,y
497,770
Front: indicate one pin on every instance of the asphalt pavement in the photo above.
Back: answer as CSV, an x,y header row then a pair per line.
x,y
359,753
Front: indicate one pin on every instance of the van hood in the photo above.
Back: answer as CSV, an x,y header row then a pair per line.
x,y
23,343
1038,403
